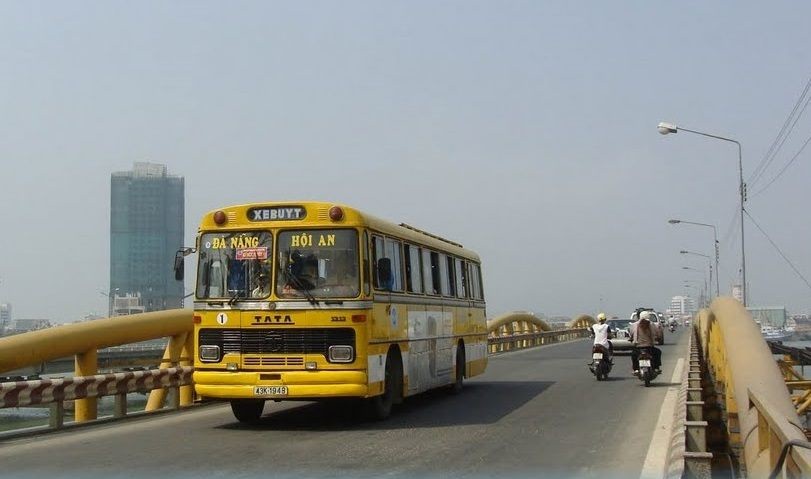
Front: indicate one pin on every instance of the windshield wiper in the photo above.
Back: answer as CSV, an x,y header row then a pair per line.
x,y
235,298
300,287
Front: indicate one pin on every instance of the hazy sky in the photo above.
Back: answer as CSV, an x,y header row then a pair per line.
x,y
524,130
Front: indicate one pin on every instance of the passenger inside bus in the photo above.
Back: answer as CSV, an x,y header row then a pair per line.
x,y
262,288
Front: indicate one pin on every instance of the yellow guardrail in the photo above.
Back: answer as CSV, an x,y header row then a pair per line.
x,y
761,418
83,340
522,329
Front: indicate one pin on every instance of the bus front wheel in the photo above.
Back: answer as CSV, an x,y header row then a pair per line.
x,y
380,406
247,410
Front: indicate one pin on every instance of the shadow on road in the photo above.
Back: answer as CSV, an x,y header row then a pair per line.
x,y
479,403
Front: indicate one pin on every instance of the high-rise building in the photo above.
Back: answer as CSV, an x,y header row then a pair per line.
x,y
5,316
737,292
146,229
682,305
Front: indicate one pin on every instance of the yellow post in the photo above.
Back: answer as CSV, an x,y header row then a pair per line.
x,y
186,359
86,365
171,357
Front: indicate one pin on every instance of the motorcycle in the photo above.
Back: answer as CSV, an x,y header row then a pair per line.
x,y
601,362
672,328
646,371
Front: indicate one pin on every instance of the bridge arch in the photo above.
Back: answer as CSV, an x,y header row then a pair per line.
x,y
516,322
581,322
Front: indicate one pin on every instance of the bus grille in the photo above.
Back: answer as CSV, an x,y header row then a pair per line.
x,y
277,341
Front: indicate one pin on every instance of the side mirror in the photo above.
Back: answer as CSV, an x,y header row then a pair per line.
x,y
179,266
181,253
384,273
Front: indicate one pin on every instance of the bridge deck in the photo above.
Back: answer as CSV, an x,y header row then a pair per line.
x,y
534,412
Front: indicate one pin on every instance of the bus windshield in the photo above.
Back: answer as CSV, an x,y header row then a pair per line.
x,y
318,264
235,265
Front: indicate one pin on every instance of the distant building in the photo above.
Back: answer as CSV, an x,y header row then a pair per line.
x,y
682,306
737,292
5,316
146,229
127,304
25,325
775,316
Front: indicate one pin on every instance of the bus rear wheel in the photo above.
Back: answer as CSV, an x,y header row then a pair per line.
x,y
459,383
247,410
379,407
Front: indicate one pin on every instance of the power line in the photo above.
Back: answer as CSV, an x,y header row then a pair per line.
x,y
782,135
731,232
784,168
779,251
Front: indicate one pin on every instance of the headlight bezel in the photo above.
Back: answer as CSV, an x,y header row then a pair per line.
x,y
341,354
210,353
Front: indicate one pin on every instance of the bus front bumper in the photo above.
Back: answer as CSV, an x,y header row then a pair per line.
x,y
299,385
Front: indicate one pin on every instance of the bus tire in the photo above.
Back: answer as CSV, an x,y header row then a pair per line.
x,y
380,406
459,382
247,410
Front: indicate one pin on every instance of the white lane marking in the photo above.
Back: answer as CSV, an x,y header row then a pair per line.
x,y
656,459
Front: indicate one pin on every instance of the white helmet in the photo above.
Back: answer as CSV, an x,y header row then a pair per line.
x,y
645,315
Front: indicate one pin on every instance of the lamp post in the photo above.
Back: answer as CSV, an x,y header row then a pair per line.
x,y
667,128
704,281
715,244
709,263
112,294
694,283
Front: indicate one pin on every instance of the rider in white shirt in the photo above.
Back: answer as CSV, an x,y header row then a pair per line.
x,y
601,332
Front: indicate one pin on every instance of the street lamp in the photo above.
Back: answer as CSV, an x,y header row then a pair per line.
x,y
715,243
667,128
112,294
709,263
704,279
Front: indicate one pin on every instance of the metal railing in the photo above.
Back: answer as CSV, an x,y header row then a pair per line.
x,y
522,329
760,417
83,341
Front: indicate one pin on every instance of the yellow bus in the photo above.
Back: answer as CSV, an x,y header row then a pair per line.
x,y
313,300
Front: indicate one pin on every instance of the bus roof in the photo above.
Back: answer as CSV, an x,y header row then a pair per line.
x,y
313,214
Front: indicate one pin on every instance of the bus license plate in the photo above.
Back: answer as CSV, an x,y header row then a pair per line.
x,y
270,391
645,363
597,356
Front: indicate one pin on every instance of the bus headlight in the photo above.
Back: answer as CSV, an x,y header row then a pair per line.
x,y
341,354
209,353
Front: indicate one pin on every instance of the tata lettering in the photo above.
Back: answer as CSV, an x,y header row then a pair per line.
x,y
277,319
277,213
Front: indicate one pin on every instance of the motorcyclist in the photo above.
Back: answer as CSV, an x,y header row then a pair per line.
x,y
601,332
643,336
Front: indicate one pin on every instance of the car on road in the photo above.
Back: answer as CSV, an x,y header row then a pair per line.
x,y
620,335
662,324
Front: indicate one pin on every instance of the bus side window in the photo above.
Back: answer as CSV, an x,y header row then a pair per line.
x,y
366,272
389,249
444,276
461,278
435,274
377,254
427,275
451,277
412,269
477,277
393,252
